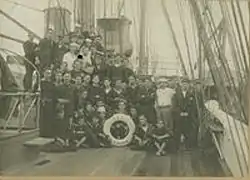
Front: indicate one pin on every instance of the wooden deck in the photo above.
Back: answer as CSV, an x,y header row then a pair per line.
x,y
121,162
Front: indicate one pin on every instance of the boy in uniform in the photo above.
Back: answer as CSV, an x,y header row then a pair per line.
x,y
160,136
143,135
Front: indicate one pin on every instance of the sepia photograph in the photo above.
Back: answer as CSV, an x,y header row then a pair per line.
x,y
124,88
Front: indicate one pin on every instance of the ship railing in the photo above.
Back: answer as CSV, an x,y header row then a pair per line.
x,y
22,108
23,112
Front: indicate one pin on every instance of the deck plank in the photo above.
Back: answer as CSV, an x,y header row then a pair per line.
x,y
122,162
153,165
119,162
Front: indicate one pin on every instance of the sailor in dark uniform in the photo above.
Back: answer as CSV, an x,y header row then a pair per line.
x,y
100,66
146,100
183,106
58,77
161,137
30,50
46,48
108,92
60,50
86,81
78,90
132,91
97,128
95,91
117,93
79,126
117,70
127,72
47,105
66,92
134,114
143,135
197,108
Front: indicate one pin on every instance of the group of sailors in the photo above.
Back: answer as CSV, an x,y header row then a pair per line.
x,y
82,86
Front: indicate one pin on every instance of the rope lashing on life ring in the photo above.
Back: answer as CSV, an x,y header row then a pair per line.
x,y
124,119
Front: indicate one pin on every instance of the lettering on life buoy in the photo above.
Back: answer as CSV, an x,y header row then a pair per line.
x,y
120,128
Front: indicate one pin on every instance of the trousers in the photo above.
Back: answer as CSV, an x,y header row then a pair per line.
x,y
164,114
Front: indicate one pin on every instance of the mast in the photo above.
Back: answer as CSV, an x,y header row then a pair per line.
x,y
142,37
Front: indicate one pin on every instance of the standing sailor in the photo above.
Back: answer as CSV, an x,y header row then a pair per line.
x,y
46,49
71,55
183,108
164,96
30,48
48,105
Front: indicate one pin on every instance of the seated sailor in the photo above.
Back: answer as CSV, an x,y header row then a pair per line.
x,y
79,128
97,128
143,135
160,138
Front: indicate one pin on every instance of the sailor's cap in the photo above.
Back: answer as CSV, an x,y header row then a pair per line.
x,y
63,101
162,79
101,109
74,45
88,40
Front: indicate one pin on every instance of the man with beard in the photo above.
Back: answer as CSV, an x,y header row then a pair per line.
x,y
46,49
30,48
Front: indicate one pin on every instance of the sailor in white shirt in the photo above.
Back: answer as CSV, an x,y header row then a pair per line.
x,y
86,55
164,96
71,56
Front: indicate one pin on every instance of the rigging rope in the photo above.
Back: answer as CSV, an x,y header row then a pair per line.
x,y
208,50
62,17
223,63
232,44
235,39
240,38
23,5
178,3
243,27
164,8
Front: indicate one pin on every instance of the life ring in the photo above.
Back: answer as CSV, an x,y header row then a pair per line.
x,y
119,118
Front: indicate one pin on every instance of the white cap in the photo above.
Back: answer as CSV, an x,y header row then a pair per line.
x,y
162,79
88,40
101,109
74,45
